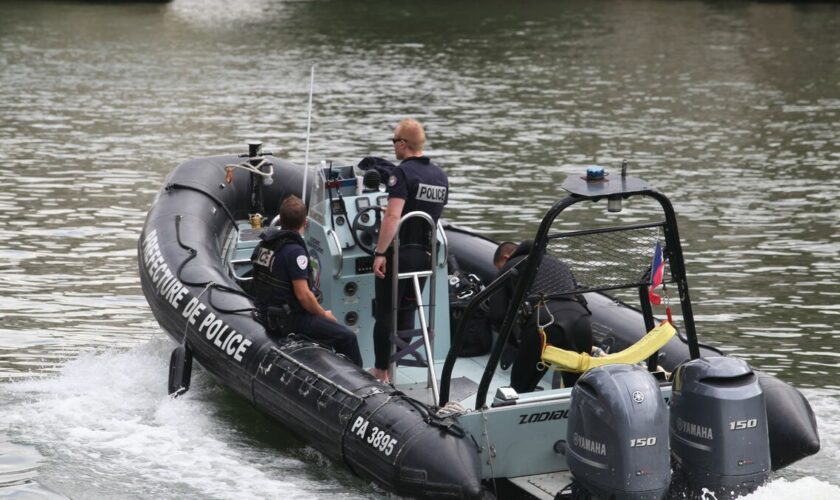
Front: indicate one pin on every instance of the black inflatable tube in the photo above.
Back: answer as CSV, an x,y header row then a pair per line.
x,y
791,422
396,442
324,397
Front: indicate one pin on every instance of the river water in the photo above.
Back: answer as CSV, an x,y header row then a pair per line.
x,y
732,109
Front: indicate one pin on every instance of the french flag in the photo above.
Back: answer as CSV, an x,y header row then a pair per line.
x,y
657,271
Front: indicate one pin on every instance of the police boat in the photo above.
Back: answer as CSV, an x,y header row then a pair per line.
x,y
656,414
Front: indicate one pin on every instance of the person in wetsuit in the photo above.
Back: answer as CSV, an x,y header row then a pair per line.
x,y
283,286
571,328
415,184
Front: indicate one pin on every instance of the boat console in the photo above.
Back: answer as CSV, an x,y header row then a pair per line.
x,y
342,231
344,221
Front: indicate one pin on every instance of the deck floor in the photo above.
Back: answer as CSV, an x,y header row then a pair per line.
x,y
466,376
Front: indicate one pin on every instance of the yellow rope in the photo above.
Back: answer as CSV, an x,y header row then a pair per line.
x,y
571,361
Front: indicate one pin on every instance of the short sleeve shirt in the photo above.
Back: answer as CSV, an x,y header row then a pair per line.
x,y
422,184
424,187
397,185
291,263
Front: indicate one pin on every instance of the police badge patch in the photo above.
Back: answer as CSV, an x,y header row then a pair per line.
x,y
392,180
302,261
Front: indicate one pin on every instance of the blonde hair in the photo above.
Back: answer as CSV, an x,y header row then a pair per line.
x,y
413,133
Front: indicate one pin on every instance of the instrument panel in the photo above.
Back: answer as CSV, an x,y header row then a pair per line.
x,y
362,202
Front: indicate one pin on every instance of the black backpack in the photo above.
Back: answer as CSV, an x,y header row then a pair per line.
x,y
478,332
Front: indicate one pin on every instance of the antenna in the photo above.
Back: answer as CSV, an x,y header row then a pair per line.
x,y
308,126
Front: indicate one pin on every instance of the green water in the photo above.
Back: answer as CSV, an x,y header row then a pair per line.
x,y
732,109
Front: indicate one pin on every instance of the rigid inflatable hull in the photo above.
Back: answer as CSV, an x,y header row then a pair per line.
x,y
327,401
330,403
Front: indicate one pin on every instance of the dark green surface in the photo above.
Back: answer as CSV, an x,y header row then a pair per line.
x,y
729,108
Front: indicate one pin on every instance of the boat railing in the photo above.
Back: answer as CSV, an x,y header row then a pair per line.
x,y
630,270
426,328
459,335
339,268
232,268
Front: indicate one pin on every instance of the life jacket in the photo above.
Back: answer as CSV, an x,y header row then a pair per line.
x,y
554,277
272,286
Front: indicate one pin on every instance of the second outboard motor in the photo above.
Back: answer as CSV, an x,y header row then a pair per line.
x,y
719,427
617,439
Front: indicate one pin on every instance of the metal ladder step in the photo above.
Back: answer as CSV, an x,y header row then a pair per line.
x,y
401,346
408,345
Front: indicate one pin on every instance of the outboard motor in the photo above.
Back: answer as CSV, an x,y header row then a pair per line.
x,y
719,427
617,439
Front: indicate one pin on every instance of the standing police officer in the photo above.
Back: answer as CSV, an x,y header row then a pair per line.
x,y
416,184
283,286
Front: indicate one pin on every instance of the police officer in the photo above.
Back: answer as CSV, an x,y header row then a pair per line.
x,y
415,184
571,328
283,286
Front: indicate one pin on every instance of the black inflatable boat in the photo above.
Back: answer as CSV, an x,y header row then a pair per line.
x,y
434,434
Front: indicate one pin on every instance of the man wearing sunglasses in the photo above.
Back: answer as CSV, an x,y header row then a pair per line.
x,y
415,184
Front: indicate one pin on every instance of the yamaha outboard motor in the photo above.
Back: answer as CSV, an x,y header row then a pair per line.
x,y
719,427
617,439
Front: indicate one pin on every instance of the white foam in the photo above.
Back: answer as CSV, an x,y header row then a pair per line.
x,y
106,419
806,487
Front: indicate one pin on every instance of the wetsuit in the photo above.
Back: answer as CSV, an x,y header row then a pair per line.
x,y
280,258
570,330
425,187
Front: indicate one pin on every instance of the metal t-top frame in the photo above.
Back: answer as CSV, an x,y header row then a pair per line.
x,y
580,190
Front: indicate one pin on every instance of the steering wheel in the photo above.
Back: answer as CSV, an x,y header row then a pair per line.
x,y
366,232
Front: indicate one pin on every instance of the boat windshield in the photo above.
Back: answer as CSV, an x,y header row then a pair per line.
x,y
315,201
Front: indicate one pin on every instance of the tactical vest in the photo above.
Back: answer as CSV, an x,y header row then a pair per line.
x,y
268,288
552,279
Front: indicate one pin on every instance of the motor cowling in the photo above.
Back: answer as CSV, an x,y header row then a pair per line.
x,y
718,427
617,438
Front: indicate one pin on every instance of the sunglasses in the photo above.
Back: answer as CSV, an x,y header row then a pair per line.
x,y
395,140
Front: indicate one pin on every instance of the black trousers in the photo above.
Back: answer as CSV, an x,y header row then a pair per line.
x,y
571,330
412,258
323,331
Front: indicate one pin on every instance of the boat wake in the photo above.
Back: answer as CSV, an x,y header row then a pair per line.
x,y
105,427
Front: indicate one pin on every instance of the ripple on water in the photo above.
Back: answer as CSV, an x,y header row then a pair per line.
x,y
19,472
99,102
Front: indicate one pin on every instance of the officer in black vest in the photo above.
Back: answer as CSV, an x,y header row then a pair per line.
x,y
415,184
283,286
571,328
